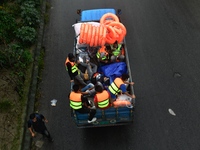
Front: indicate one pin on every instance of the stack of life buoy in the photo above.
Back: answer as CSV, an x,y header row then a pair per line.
x,y
109,31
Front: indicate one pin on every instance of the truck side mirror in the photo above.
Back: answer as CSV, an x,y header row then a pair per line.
x,y
78,11
119,11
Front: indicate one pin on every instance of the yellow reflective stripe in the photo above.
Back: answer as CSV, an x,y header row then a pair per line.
x,y
74,68
117,51
114,89
103,104
98,54
75,105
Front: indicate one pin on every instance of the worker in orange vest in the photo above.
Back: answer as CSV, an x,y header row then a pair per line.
x,y
117,54
102,98
80,103
103,55
118,86
73,70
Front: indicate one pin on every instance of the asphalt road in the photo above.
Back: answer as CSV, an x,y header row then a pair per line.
x,y
163,41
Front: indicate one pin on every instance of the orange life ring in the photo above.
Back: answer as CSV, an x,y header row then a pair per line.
x,y
93,36
111,35
119,26
118,30
107,22
120,38
89,33
110,40
81,33
96,36
111,32
108,16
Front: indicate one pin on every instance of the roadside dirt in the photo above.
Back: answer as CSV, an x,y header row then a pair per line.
x,y
9,109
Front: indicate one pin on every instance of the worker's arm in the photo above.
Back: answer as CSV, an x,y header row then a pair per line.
x,y
70,72
31,131
124,91
131,83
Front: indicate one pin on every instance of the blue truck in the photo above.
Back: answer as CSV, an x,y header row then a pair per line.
x,y
112,116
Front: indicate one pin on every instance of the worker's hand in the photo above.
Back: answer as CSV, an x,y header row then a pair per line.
x,y
133,96
33,134
45,120
87,61
131,83
71,80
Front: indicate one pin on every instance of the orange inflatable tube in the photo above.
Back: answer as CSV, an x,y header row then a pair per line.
x,y
81,33
121,103
111,32
85,33
104,36
93,36
96,39
119,26
109,16
107,22
110,40
120,38
89,33
117,30
111,35
100,35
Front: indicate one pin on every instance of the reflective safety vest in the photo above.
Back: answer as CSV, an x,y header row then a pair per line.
x,y
103,99
117,51
102,50
114,88
73,64
75,100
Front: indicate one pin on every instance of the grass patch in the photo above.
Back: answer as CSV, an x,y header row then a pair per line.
x,y
5,106
23,102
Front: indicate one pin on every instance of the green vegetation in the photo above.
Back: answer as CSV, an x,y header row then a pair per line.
x,y
5,106
19,23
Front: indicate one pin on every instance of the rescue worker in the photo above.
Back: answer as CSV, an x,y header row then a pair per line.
x,y
117,52
73,70
118,86
103,55
102,98
80,103
84,61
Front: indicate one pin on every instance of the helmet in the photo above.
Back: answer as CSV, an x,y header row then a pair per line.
x,y
98,77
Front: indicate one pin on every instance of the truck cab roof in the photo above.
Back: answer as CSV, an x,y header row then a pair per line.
x,y
95,14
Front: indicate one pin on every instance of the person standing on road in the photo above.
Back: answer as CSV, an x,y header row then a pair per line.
x,y
80,103
37,123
